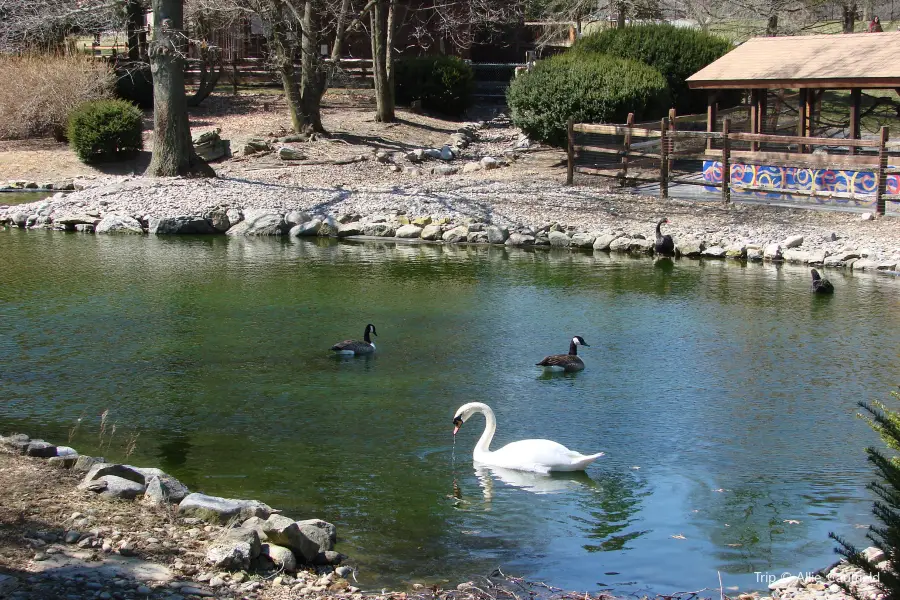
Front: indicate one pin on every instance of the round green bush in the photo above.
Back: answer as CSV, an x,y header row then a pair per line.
x,y
676,52
105,129
444,84
587,88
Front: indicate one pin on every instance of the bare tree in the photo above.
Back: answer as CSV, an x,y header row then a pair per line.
x,y
42,25
173,151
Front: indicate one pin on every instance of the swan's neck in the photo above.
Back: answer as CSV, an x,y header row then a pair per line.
x,y
573,348
490,426
658,230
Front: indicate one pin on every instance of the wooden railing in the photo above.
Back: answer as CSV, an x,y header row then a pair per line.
x,y
642,154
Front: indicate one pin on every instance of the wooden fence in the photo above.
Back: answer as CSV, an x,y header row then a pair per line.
x,y
668,155
256,72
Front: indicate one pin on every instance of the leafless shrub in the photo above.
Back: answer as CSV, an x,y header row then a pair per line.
x,y
40,91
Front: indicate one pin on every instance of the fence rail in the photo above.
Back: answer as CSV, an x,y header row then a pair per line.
x,y
667,155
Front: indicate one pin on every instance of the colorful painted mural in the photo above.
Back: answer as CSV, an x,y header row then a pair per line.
x,y
823,180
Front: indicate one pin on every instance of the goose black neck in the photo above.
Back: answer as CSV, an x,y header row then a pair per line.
x,y
573,348
366,336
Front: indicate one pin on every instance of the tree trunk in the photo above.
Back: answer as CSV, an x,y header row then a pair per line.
x,y
849,17
282,52
173,150
340,28
134,25
384,94
620,14
313,79
772,25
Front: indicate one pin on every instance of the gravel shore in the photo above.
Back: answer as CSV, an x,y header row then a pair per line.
x,y
526,203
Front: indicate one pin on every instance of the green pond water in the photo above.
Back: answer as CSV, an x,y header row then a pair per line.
x,y
723,395
14,198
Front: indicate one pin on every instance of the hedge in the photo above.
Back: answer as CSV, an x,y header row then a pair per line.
x,y
676,52
589,88
105,129
444,84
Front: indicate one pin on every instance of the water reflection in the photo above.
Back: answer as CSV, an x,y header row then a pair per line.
x,y
535,483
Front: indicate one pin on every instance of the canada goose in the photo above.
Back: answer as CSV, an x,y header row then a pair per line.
x,y
565,362
538,456
820,285
664,243
353,347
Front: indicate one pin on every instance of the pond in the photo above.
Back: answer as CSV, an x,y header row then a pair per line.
x,y
724,396
24,197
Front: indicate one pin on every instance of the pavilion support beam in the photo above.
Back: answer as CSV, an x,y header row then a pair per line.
x,y
712,111
801,113
855,112
754,117
763,105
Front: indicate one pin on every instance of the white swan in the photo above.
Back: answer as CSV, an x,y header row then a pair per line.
x,y
539,456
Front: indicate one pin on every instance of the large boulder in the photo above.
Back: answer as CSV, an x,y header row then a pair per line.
x,y
583,240
620,244
348,229
306,229
306,538
112,469
229,556
296,217
181,225
456,235
84,462
114,487
259,222
431,232
70,221
118,224
640,246
519,239
220,220
497,235
165,489
40,449
221,510
282,557
379,230
558,239
409,232
602,242
690,247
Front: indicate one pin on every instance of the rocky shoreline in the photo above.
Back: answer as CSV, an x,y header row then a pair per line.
x,y
489,213
139,533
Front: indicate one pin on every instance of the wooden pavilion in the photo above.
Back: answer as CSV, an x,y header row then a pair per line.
x,y
810,64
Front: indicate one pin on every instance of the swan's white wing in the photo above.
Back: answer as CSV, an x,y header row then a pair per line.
x,y
541,456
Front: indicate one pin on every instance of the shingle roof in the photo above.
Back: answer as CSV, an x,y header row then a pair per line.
x,y
866,60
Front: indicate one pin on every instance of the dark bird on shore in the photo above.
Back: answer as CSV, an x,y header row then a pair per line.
x,y
354,347
820,285
664,243
565,362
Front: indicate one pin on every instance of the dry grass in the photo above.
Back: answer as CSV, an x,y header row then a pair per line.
x,y
40,91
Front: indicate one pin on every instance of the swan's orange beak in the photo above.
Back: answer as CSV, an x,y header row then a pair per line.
x,y
457,423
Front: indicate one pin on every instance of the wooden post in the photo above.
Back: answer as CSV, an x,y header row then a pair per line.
x,y
711,110
754,117
671,149
762,109
880,180
855,106
629,123
810,117
726,162
663,160
234,74
801,114
570,173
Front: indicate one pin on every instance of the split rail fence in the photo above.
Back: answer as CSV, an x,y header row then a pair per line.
x,y
666,155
